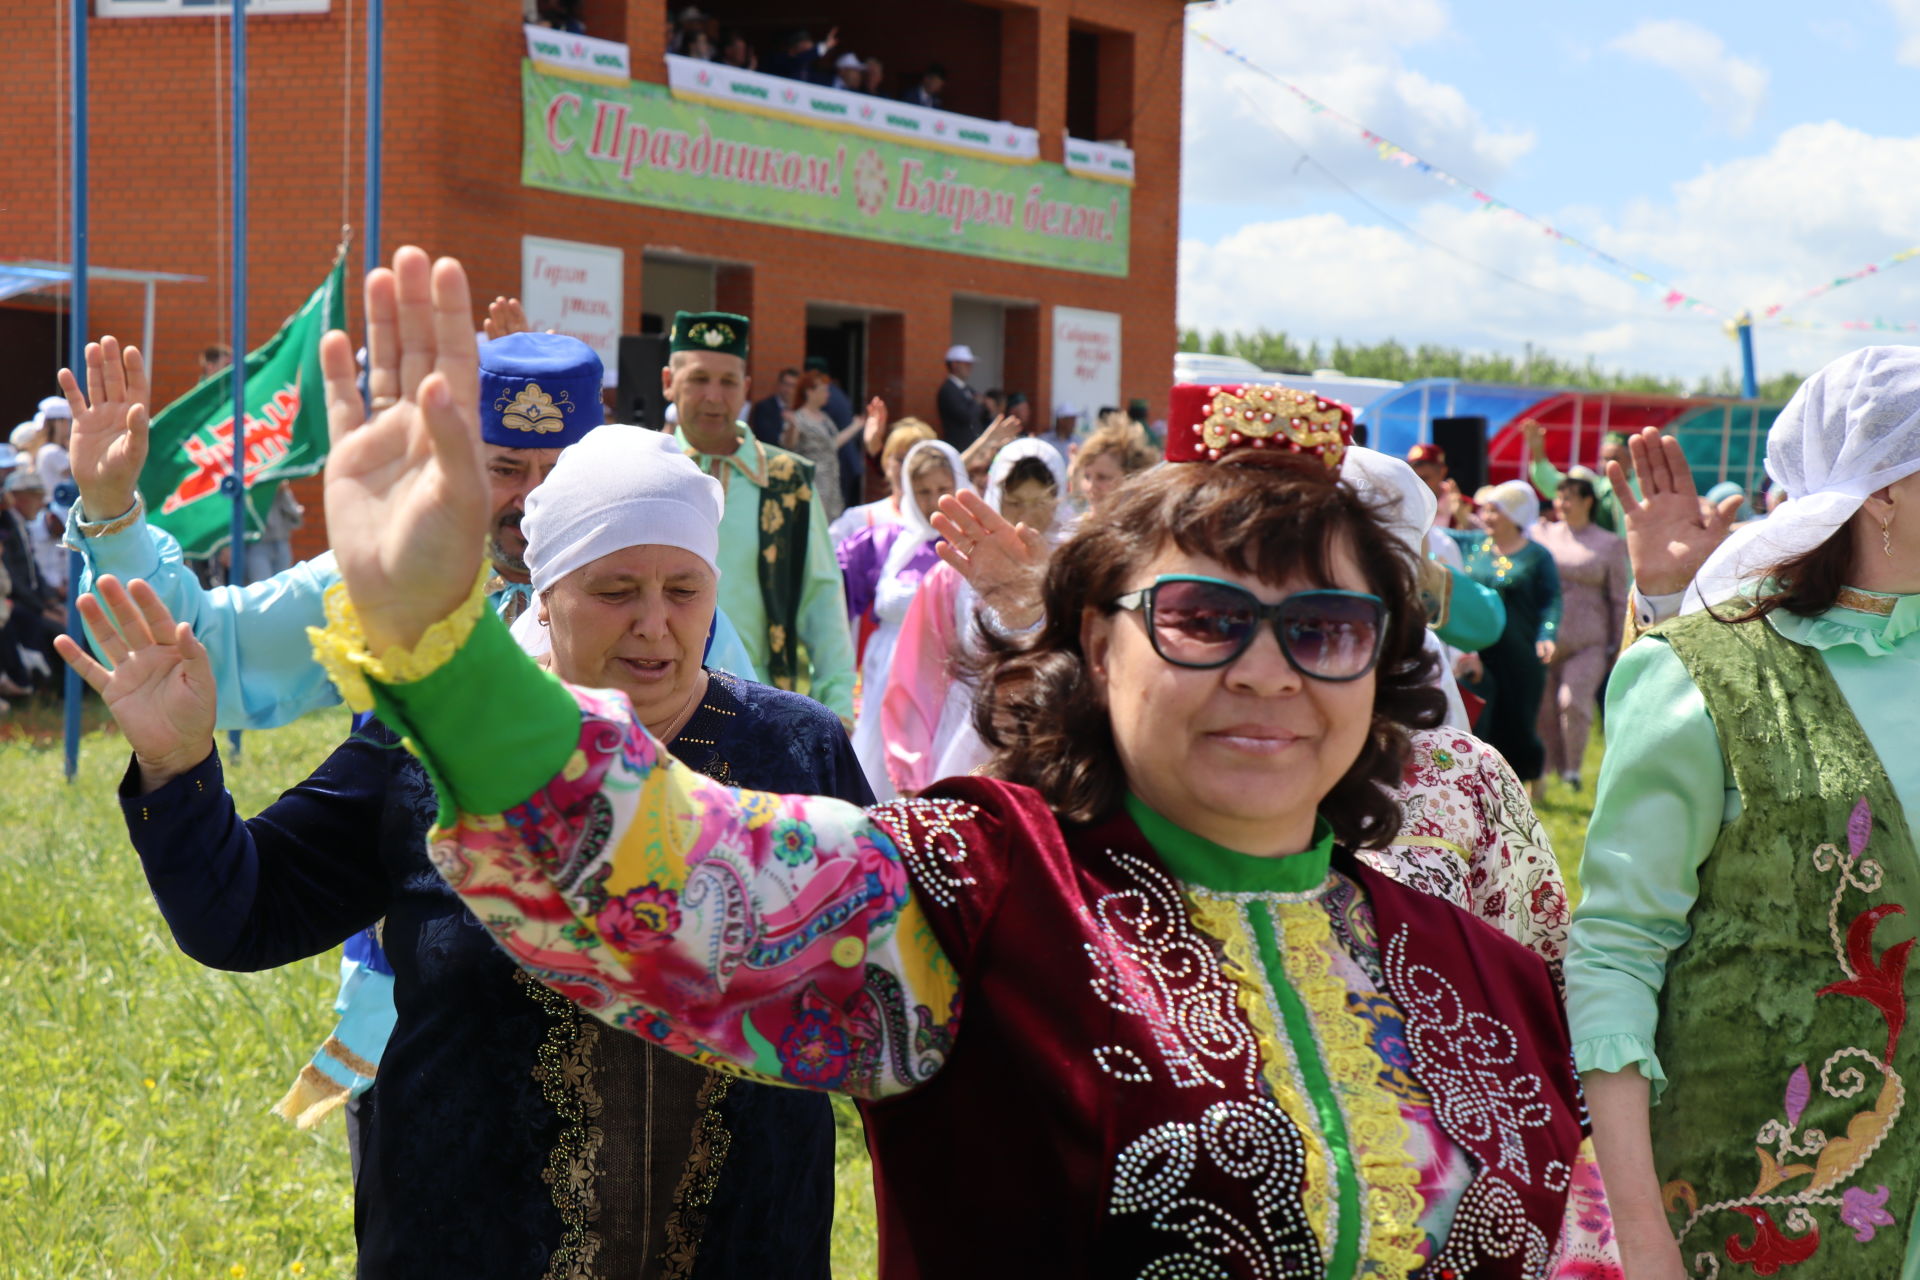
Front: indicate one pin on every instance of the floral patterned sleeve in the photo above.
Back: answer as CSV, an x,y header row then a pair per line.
x,y
773,936
1469,834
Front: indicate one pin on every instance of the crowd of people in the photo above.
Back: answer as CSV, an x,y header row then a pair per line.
x,y
796,55
35,470
1128,856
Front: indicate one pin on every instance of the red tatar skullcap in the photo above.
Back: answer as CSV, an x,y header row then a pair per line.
x,y
1426,453
1205,422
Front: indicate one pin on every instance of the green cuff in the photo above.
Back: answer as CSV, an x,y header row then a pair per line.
x,y
490,726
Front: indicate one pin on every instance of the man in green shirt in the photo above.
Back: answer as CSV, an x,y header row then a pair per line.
x,y
779,580
1613,448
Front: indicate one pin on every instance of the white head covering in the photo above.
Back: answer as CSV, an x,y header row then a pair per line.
x,y
619,487
959,352
1516,500
54,407
1025,447
916,526
1405,504
23,434
1852,428
1407,508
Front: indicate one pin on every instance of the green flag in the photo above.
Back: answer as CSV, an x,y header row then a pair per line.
x,y
286,433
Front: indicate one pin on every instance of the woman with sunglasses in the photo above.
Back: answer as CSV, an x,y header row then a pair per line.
x,y
1133,1003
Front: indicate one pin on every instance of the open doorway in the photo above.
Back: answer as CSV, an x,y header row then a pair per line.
x,y
837,336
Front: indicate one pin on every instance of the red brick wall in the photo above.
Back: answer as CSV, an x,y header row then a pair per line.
x,y
452,184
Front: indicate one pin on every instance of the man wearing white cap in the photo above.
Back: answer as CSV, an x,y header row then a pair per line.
x,y
960,420
515,1134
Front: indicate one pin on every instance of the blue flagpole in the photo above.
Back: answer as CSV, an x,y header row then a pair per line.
x,y
237,545
1749,382
76,351
376,80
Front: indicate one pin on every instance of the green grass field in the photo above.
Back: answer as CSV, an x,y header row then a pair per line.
x,y
135,1139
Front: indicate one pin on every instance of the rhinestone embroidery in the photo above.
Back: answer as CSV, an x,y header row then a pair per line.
x,y
1457,1056
931,839
1249,1141
1150,961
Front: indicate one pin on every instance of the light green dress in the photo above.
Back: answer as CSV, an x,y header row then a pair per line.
x,y
1665,794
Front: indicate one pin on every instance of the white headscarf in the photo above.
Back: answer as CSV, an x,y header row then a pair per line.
x,y
1402,498
1515,499
1027,447
1407,508
617,487
1851,429
916,526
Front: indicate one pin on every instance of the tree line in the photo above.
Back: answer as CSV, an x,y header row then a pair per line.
x,y
1280,353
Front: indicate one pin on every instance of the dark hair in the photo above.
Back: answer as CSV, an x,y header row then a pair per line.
x,y
1016,397
788,372
1262,514
819,364
1807,584
935,69
1030,469
1578,487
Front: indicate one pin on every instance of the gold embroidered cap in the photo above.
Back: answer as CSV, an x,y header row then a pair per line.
x,y
538,391
1208,421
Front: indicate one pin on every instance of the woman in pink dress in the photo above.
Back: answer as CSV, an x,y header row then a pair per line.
x,y
1593,588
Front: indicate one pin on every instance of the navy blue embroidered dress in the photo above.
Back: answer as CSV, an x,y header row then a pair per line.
x,y
512,1136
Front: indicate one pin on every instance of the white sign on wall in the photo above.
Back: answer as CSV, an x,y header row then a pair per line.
x,y
575,289
1086,361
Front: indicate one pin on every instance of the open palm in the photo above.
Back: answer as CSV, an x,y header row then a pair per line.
x,y
109,443
1670,532
1003,562
406,491
160,685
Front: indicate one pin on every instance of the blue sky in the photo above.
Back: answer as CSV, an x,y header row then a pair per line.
x,y
1744,151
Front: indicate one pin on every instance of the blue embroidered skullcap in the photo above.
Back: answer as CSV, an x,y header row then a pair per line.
x,y
538,391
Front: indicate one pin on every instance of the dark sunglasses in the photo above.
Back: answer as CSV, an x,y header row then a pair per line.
x,y
1204,622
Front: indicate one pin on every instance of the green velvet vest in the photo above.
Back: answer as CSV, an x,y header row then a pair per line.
x,y
786,510
1781,1140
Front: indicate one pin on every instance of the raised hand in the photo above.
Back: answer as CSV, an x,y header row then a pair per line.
x,y
874,436
1003,562
505,316
406,490
1670,532
160,687
978,456
109,444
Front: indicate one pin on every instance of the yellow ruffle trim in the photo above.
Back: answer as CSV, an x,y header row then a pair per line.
x,y
1222,919
1376,1131
341,646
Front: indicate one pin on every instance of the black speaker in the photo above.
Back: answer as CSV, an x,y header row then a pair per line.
x,y
1463,439
638,400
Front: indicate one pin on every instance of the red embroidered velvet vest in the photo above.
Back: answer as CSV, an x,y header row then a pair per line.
x,y
1104,1112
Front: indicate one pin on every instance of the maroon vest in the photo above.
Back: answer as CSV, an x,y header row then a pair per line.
x,y
1103,1109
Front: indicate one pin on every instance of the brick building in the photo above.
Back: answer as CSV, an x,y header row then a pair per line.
x,y
848,227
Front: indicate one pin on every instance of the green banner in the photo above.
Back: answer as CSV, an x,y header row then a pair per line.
x,y
191,449
638,143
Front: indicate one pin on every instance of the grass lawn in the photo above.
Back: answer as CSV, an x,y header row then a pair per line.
x,y
135,1139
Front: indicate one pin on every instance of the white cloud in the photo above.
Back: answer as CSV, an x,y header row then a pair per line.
x,y
1348,53
1906,18
1823,201
1732,87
